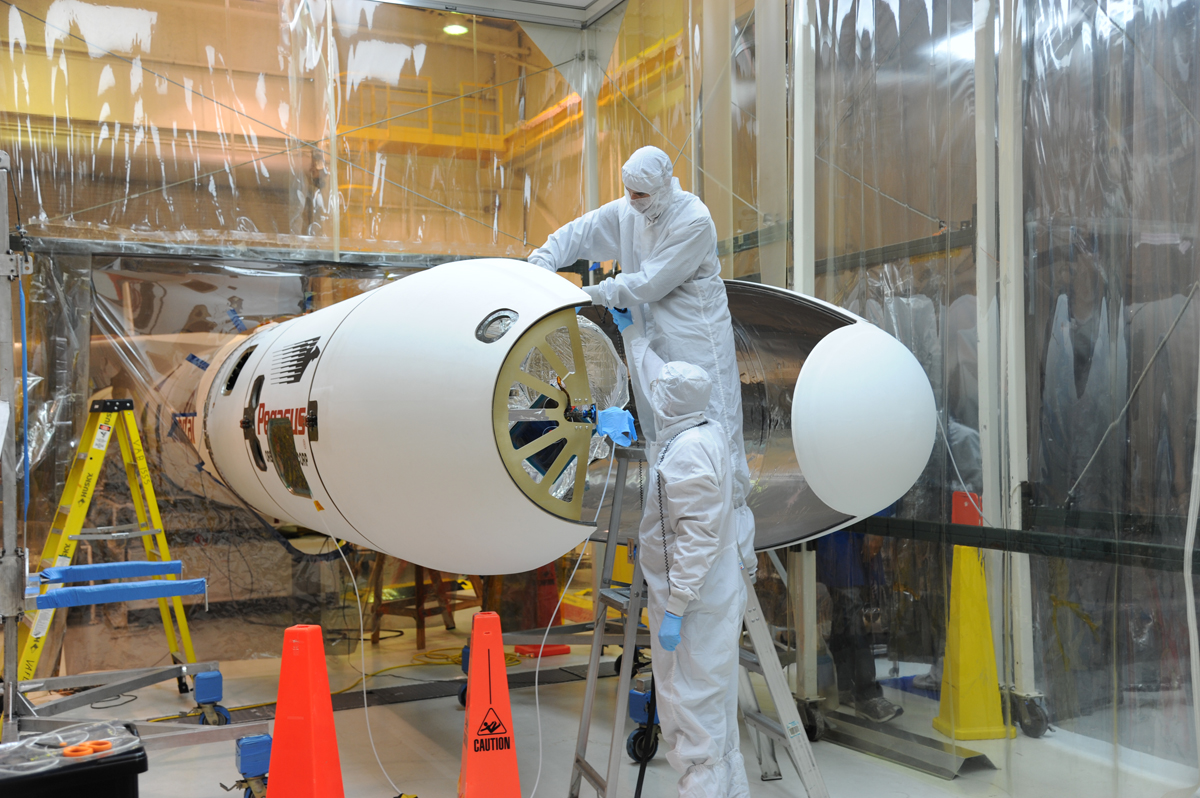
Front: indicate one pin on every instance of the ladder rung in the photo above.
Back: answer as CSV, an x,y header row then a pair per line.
x,y
114,533
749,660
764,724
120,528
591,775
615,599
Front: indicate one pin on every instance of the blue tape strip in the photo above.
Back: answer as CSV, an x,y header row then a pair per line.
x,y
197,362
110,570
124,591
237,320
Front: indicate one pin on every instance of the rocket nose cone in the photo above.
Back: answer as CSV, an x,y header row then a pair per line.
x,y
863,419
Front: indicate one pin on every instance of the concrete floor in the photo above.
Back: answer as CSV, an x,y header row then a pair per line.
x,y
419,743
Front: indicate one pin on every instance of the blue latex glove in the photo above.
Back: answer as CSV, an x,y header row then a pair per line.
x,y
616,424
668,632
623,317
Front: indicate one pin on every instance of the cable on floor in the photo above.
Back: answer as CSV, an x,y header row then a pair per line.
x,y
437,656
453,656
129,699
363,660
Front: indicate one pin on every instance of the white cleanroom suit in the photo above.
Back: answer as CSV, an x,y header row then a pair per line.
x,y
671,281
689,555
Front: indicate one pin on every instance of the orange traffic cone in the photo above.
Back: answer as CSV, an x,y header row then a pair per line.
x,y
304,750
489,759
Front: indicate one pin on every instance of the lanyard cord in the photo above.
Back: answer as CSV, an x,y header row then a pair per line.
x,y
662,517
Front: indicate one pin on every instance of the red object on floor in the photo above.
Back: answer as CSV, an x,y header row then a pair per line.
x,y
548,650
489,758
964,509
304,749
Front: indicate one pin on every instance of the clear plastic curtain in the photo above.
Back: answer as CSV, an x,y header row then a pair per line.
x,y
317,128
1111,187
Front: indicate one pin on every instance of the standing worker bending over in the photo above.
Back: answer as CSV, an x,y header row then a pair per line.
x,y
670,280
696,595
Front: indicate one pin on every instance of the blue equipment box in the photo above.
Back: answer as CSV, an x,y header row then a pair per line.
x,y
209,687
254,755
639,707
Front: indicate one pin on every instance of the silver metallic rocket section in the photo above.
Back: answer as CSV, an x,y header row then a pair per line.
x,y
774,331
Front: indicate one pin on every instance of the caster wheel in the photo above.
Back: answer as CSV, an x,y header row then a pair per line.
x,y
250,793
223,717
813,720
639,662
1034,720
462,695
641,745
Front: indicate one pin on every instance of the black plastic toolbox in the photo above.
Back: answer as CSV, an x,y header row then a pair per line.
x,y
98,760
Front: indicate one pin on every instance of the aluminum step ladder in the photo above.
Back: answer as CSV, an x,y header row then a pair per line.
x,y
629,600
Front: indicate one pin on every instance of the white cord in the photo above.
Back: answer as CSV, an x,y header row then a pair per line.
x,y
538,668
362,652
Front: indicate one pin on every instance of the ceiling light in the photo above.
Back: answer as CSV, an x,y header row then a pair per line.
x,y
455,29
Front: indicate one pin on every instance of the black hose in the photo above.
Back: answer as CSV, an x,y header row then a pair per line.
x,y
651,715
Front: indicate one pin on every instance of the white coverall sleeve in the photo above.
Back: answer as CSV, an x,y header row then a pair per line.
x,y
596,236
693,503
676,261
644,360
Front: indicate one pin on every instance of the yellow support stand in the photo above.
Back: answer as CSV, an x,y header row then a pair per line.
x,y
970,707
105,418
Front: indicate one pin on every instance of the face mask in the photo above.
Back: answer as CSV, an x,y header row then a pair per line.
x,y
641,204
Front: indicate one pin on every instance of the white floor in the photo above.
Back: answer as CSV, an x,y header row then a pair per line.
x,y
419,744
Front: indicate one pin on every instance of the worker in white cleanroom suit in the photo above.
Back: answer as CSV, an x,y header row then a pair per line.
x,y
696,594
666,243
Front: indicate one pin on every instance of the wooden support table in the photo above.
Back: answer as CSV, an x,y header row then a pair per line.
x,y
416,606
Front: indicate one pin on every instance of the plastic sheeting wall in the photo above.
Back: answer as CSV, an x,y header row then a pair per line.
x,y
1111,193
319,127
188,171
1111,185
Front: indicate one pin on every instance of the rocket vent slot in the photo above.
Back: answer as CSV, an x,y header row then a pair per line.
x,y
237,371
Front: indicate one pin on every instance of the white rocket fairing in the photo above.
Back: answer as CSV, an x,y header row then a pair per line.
x,y
448,418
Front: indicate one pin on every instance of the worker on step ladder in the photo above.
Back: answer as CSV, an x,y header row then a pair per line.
x,y
688,548
106,419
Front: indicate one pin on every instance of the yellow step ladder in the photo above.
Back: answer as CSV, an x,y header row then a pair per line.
x,y
105,417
